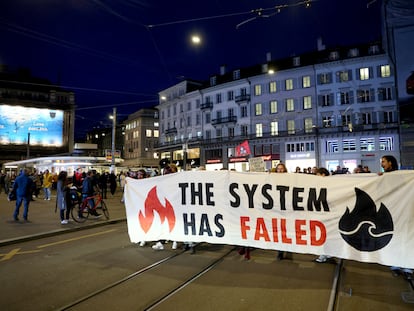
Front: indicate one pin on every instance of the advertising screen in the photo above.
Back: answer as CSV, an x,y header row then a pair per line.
x,y
45,126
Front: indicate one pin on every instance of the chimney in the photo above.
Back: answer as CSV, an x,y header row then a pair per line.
x,y
268,56
321,46
222,70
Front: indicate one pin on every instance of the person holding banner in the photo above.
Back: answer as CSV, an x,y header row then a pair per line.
x,y
322,172
389,164
168,169
280,168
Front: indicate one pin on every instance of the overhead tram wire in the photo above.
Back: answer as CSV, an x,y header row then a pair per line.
x,y
258,13
81,88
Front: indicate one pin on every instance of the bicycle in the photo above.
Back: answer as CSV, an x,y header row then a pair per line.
x,y
81,212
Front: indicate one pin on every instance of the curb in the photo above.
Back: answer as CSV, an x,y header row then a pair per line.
x,y
58,232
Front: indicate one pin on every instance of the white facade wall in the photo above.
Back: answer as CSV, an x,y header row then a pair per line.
x,y
312,129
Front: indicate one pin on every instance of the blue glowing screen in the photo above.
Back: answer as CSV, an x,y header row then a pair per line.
x,y
45,126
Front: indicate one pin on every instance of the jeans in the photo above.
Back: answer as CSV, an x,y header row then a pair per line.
x,y
25,200
47,192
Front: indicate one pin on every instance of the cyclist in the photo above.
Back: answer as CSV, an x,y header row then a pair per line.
x,y
89,187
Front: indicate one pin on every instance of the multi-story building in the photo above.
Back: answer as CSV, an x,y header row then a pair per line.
x,y
328,108
101,136
357,108
181,124
141,134
36,117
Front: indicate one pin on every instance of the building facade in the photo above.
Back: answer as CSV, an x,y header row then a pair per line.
x,y
141,134
328,108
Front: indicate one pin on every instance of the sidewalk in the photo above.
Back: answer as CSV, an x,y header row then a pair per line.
x,y
44,221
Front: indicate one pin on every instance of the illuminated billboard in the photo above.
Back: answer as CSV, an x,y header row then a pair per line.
x,y
45,126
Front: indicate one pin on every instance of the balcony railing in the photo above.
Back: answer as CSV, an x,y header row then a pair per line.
x,y
170,131
208,105
242,98
230,119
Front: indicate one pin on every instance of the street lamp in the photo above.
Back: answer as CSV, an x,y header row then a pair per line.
x,y
113,117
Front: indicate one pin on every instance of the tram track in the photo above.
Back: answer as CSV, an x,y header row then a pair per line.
x,y
162,296
115,274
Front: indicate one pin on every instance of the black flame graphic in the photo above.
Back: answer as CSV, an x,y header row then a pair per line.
x,y
364,228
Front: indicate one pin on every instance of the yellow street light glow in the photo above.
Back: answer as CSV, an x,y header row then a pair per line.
x,y
196,39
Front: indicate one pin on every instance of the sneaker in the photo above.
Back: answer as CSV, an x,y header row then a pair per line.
x,y
322,259
174,245
64,222
142,243
406,270
279,255
158,246
48,199
98,216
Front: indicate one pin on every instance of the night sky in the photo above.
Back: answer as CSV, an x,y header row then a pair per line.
x,y
123,52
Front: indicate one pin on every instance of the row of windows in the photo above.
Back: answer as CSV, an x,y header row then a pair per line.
x,y
325,100
300,147
362,74
346,119
362,96
365,144
133,135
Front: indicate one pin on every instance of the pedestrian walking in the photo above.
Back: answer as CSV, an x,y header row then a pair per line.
x,y
22,187
62,192
47,184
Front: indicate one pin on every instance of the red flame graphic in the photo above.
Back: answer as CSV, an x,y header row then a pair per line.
x,y
152,203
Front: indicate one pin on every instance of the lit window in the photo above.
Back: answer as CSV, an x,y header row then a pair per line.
x,y
272,87
258,109
307,102
289,84
259,130
257,90
148,133
290,105
385,71
274,128
348,145
367,144
306,81
364,73
291,126
308,125
273,106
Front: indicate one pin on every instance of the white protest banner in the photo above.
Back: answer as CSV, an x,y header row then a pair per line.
x,y
364,217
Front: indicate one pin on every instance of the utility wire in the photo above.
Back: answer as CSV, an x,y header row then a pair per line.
x,y
64,43
80,88
257,12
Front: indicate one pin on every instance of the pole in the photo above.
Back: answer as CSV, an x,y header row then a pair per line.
x,y
113,140
28,146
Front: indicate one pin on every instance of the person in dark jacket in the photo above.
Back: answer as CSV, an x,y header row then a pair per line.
x,y
89,185
112,183
23,188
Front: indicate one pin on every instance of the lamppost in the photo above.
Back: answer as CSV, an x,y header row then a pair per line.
x,y
113,117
